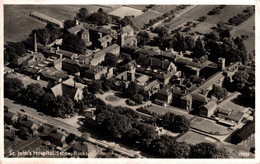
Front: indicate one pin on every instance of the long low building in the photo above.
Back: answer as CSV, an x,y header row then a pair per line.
x,y
47,19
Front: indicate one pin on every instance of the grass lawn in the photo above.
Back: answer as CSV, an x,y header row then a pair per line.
x,y
209,126
176,22
203,28
143,19
194,138
237,103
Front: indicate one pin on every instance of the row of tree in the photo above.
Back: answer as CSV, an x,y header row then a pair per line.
x,y
239,18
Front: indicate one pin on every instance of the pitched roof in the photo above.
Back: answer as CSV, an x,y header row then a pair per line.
x,y
162,76
75,29
69,61
66,53
103,52
152,84
27,123
142,60
142,78
246,131
65,88
83,147
211,105
96,28
199,97
9,115
164,92
56,135
126,29
105,38
129,39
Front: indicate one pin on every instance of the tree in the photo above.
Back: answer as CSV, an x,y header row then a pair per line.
x,y
68,24
99,18
180,124
70,138
212,36
63,105
94,87
218,92
240,79
47,101
131,136
132,89
147,134
42,36
166,120
111,60
106,85
126,21
207,150
189,42
198,50
54,31
33,94
117,125
179,43
73,43
143,38
82,15
12,86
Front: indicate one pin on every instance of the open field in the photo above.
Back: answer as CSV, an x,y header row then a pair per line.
x,y
246,28
195,138
164,8
198,11
203,28
126,11
143,19
237,103
175,22
209,126
226,13
18,24
140,7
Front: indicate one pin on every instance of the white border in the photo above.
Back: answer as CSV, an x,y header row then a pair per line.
x,y
114,161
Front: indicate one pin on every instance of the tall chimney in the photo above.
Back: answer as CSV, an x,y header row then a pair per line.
x,y
35,43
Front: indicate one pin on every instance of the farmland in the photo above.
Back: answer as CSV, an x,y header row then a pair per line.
x,y
226,13
164,8
17,15
145,17
126,11
140,7
198,11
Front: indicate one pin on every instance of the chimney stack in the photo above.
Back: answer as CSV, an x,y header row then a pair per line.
x,y
35,43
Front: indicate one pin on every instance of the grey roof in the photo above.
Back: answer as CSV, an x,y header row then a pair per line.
x,y
246,131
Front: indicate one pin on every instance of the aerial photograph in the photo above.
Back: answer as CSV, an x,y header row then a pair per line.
x,y
147,81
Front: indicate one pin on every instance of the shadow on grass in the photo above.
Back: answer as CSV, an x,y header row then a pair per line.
x,y
244,101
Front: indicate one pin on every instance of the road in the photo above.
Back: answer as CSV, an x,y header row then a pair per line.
x,y
32,113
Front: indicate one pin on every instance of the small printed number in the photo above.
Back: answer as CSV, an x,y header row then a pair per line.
x,y
244,154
